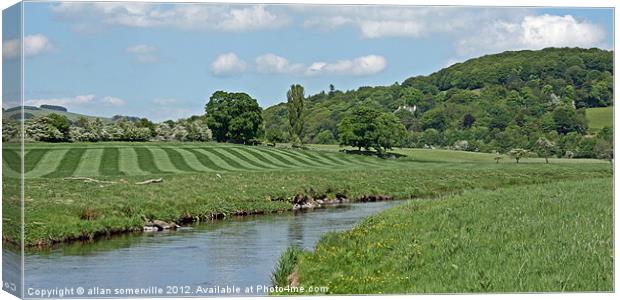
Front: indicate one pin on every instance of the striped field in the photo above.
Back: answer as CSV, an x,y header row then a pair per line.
x,y
62,160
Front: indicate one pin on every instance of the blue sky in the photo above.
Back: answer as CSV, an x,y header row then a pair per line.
x,y
163,61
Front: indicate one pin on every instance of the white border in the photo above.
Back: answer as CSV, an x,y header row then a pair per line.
x,y
532,3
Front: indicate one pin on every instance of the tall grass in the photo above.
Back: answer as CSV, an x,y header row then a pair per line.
x,y
552,237
285,266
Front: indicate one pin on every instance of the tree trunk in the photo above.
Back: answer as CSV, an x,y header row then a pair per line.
x,y
546,159
517,160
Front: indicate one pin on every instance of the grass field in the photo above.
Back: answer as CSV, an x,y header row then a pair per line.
x,y
599,117
540,238
116,159
440,155
204,180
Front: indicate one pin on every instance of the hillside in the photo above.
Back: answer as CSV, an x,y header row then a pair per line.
x,y
33,111
494,102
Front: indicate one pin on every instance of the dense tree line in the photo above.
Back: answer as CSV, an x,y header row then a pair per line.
x,y
56,128
494,103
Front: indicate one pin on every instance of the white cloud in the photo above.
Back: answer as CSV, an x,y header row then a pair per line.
x,y
77,101
33,45
228,64
274,64
144,54
113,101
533,32
475,30
181,16
403,21
360,66
548,30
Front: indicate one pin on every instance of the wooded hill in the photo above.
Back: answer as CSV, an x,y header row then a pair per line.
x,y
494,102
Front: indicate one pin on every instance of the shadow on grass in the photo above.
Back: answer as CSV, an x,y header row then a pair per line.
x,y
373,153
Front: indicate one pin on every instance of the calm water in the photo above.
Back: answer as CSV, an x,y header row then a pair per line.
x,y
240,253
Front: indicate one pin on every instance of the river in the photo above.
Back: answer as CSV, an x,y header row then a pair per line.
x,y
204,260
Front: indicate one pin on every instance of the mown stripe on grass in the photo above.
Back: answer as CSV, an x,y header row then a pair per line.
x,y
8,172
243,155
109,164
302,159
68,163
33,157
293,159
208,161
219,162
178,160
198,161
163,161
321,158
282,158
12,160
224,151
49,162
146,160
128,162
89,163
224,158
266,157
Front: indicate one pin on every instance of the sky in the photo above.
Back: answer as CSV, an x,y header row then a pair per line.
x,y
163,61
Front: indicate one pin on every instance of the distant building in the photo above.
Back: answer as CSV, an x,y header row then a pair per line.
x,y
408,108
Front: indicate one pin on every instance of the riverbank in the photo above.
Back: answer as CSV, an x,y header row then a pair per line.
x,y
256,182
551,237
210,252
61,211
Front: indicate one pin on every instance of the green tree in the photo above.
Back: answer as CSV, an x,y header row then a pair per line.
x,y
367,127
295,105
324,137
518,153
61,123
498,157
435,118
567,120
146,123
607,134
411,96
234,117
569,94
274,136
431,137
603,150
545,147
389,132
357,127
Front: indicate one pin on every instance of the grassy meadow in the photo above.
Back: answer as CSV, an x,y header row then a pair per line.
x,y
207,180
599,117
551,237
